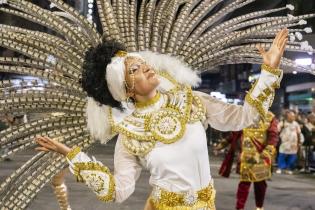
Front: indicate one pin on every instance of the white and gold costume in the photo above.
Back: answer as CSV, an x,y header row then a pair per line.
x,y
198,32
166,135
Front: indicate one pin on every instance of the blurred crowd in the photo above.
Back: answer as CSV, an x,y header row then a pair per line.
x,y
295,148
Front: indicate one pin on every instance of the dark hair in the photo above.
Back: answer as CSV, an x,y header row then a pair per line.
x,y
94,72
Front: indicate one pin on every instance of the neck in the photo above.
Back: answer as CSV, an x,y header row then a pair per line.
x,y
141,99
147,100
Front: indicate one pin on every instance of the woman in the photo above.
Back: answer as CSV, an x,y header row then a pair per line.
x,y
164,130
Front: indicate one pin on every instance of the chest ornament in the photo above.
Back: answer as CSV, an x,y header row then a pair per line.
x,y
167,124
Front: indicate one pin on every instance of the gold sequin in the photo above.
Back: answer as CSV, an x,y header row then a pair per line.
x,y
93,166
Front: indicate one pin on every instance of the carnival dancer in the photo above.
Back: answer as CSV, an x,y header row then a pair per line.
x,y
82,76
165,128
257,152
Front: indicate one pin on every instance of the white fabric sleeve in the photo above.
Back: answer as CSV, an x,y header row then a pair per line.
x,y
97,177
127,171
229,117
262,93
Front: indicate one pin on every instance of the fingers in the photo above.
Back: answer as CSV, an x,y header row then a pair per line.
x,y
282,47
280,35
282,38
260,49
277,37
283,34
42,149
44,143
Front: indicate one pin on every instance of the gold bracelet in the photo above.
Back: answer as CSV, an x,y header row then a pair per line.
x,y
74,151
274,71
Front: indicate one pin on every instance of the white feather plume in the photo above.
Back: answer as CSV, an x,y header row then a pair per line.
x,y
98,121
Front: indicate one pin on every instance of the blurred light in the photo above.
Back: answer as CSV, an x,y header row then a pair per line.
x,y
253,77
219,96
90,11
90,6
303,61
294,72
90,1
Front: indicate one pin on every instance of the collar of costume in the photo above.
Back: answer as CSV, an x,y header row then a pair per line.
x,y
152,101
115,75
164,121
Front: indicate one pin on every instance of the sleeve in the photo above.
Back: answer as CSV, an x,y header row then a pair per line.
x,y
230,117
298,128
272,140
98,178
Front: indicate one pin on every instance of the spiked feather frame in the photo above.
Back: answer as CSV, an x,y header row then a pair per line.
x,y
188,31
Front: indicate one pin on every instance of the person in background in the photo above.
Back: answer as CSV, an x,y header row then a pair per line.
x,y
257,145
290,132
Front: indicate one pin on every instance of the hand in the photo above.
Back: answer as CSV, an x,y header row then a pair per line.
x,y
48,144
272,58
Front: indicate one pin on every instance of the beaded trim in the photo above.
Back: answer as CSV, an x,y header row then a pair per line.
x,y
257,104
141,105
271,70
142,131
74,151
163,199
93,166
147,134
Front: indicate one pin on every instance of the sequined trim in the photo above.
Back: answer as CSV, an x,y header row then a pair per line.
x,y
255,165
271,70
267,93
147,123
121,53
198,110
141,105
257,104
166,200
98,183
74,151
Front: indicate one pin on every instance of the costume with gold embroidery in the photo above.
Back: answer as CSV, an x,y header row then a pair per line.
x,y
257,154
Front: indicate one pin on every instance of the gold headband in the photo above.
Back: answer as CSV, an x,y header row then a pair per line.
x,y
121,53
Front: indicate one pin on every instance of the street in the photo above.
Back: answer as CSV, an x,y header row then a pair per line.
x,y
285,192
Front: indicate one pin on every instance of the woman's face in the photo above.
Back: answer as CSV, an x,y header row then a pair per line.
x,y
141,75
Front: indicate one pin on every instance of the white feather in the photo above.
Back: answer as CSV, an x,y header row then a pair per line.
x,y
308,30
302,22
304,45
298,35
98,121
180,71
290,7
292,37
52,5
290,16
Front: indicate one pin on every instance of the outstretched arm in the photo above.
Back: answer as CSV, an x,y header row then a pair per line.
x,y
94,174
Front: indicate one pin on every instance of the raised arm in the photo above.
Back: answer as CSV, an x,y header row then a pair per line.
x,y
225,117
